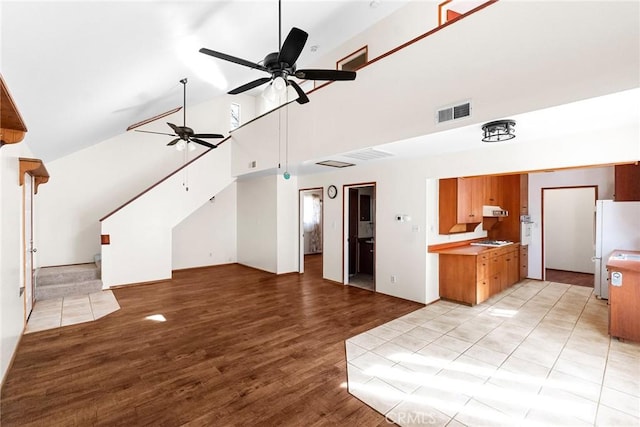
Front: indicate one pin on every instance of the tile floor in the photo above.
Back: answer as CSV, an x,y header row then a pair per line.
x,y
537,354
54,313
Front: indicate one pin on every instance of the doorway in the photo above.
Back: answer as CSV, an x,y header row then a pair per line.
x,y
311,231
27,244
568,234
359,235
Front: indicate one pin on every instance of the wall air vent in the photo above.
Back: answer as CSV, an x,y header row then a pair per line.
x,y
368,154
453,112
334,164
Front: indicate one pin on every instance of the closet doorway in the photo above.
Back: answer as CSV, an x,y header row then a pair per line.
x,y
359,235
568,234
311,231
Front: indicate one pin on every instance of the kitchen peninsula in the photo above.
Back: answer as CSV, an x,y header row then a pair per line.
x,y
471,274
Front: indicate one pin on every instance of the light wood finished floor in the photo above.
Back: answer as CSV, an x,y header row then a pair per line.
x,y
238,347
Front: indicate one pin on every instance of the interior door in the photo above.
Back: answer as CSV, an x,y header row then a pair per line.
x,y
353,229
29,294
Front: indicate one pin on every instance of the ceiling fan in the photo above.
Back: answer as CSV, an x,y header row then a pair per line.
x,y
183,134
282,64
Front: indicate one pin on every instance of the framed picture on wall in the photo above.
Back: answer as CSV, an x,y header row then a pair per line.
x,y
354,60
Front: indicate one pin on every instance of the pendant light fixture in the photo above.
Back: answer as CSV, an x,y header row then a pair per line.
x,y
499,130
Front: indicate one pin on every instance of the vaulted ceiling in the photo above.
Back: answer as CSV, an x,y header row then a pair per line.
x,y
82,71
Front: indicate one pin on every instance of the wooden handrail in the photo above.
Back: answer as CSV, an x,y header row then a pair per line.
x,y
378,58
381,56
161,181
417,39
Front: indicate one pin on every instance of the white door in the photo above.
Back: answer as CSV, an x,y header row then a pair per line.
x,y
28,244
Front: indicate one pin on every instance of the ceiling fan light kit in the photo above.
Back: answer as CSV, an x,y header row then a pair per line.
x,y
282,65
184,135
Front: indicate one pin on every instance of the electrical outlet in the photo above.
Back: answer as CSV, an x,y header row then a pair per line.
x,y
393,278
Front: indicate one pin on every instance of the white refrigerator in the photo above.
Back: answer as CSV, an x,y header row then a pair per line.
x,y
617,227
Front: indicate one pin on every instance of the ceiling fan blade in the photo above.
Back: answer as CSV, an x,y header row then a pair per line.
x,y
292,46
208,135
302,97
249,85
201,142
174,127
174,142
157,133
233,59
332,75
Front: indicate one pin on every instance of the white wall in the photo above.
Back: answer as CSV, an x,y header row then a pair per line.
x,y
410,187
88,184
396,98
287,224
257,223
11,259
400,250
602,177
569,233
140,232
208,236
408,22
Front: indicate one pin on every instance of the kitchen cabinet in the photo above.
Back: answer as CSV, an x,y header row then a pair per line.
x,y
624,295
365,256
524,194
365,207
627,183
492,191
524,262
460,204
512,262
472,274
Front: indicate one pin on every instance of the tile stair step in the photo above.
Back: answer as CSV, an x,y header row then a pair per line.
x,y
59,290
67,274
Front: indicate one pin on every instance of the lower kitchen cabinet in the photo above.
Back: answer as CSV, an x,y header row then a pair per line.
x,y
473,276
524,262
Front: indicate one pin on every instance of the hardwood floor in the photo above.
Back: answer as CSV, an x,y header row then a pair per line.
x,y
238,347
569,277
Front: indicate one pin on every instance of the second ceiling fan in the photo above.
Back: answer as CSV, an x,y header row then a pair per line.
x,y
282,64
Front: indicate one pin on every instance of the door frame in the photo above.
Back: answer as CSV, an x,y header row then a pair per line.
x,y
28,279
345,228
542,238
301,192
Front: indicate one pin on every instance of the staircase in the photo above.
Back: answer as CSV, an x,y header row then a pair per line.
x,y
67,280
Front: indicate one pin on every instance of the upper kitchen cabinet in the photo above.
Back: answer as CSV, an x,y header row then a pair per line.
x,y
460,202
627,183
524,194
492,191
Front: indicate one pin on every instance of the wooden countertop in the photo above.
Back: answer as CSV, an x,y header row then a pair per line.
x,y
618,262
471,250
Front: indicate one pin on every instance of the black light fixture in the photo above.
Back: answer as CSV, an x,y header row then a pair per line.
x,y
500,130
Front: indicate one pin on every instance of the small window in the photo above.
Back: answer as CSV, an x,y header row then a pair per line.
x,y
235,116
354,61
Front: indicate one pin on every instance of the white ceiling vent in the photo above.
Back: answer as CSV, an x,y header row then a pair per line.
x,y
453,112
368,154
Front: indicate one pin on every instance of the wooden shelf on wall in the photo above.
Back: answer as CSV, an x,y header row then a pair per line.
x,y
36,169
12,127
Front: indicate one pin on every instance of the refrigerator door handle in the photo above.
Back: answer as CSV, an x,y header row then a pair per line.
x,y
595,258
